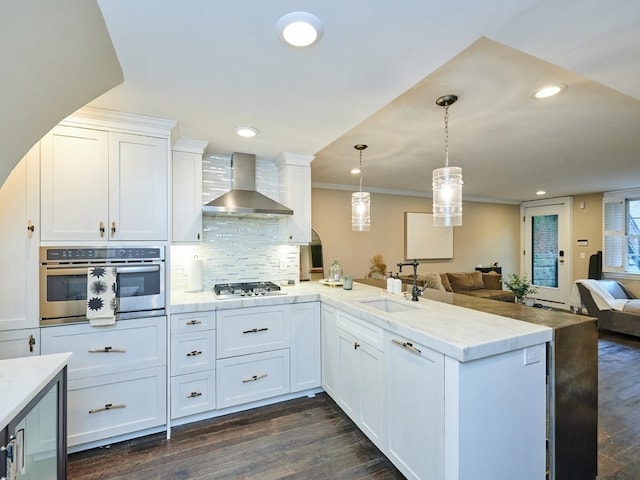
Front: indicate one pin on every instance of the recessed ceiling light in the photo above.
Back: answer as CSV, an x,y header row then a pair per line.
x,y
549,91
540,192
299,29
246,132
355,171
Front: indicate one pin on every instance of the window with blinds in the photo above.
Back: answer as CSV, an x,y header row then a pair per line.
x,y
621,235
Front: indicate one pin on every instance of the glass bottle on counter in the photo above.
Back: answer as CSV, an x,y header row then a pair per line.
x,y
335,272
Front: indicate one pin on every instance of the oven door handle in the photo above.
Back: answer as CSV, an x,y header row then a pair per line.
x,y
66,270
141,269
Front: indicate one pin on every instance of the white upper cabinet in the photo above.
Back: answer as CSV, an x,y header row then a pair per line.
x,y
138,187
295,193
105,179
74,188
20,239
186,199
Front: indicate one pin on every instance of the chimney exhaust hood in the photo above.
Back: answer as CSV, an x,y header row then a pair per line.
x,y
243,199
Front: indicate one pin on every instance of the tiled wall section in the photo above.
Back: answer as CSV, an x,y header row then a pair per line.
x,y
236,249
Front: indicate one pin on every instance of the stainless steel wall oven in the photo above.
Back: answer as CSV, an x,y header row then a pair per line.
x,y
63,281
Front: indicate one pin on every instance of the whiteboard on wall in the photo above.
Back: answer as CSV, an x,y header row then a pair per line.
x,y
423,241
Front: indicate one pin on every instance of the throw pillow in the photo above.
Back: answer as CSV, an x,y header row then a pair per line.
x,y
466,281
431,280
445,282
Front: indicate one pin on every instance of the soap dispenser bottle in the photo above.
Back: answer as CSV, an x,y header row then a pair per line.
x,y
397,284
390,283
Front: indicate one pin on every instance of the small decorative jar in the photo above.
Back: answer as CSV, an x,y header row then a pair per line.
x,y
335,272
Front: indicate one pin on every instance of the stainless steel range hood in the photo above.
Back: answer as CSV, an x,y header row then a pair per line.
x,y
243,199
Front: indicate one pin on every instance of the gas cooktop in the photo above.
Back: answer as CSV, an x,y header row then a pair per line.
x,y
247,289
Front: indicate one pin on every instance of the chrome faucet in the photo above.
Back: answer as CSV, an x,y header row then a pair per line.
x,y
415,292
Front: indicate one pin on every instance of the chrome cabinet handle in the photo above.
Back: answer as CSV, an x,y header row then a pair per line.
x,y
194,394
107,350
355,345
32,342
113,228
101,229
407,346
194,322
193,353
30,228
256,330
254,378
108,406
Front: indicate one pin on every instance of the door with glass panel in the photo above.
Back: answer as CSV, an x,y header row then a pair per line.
x,y
546,252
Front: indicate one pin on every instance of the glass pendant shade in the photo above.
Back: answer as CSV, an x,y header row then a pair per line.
x,y
447,197
360,211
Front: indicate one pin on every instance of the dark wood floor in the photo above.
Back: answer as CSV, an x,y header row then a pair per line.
x,y
311,438
306,438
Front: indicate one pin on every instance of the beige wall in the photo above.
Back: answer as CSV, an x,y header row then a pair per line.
x,y
489,233
587,225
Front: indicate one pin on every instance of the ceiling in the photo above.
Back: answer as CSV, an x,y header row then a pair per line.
x,y
374,76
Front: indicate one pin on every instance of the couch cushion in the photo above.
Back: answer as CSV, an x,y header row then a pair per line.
x,y
492,281
444,278
431,280
465,281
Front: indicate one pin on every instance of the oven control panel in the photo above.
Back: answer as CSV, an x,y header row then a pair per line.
x,y
75,254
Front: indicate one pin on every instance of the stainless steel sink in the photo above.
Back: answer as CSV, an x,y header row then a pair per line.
x,y
388,305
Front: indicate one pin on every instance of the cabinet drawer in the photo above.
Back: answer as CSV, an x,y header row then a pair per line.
x,y
193,393
19,343
193,322
362,330
193,352
252,377
252,330
127,345
138,402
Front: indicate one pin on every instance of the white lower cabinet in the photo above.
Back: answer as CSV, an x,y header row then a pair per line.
x,y
116,377
329,343
231,357
110,405
415,399
193,393
248,378
253,354
19,343
193,363
304,322
361,386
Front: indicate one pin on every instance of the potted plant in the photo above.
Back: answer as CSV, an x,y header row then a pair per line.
x,y
520,286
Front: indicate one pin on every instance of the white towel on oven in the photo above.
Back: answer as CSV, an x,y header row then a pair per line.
x,y
101,296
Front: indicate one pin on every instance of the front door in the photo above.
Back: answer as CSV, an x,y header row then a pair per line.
x,y
546,252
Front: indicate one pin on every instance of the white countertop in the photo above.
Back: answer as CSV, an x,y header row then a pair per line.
x,y
22,378
460,333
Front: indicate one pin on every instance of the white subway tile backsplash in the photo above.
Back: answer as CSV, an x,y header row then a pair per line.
x,y
234,248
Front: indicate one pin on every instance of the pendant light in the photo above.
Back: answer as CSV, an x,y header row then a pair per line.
x,y
447,181
360,203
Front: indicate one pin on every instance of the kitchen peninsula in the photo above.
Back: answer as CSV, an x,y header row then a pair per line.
x,y
443,391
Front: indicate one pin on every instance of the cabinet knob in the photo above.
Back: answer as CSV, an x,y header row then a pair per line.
x,y
355,345
30,228
198,236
